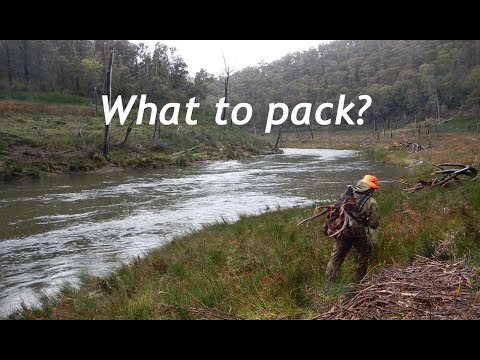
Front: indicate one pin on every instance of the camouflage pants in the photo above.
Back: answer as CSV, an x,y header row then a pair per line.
x,y
341,248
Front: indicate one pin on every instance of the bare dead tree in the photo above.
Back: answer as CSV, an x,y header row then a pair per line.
x,y
311,131
227,77
279,136
129,130
438,104
108,92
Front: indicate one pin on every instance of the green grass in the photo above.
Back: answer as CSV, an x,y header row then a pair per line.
x,y
265,267
383,154
460,123
24,94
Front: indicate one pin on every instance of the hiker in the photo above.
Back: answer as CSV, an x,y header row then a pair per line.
x,y
369,217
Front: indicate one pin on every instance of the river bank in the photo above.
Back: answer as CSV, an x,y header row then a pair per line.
x,y
91,222
265,267
42,139
454,139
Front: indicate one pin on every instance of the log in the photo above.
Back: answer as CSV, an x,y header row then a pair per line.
x,y
184,151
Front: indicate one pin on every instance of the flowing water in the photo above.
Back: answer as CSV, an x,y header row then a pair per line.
x,y
56,228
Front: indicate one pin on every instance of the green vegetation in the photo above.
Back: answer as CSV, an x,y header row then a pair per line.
x,y
59,70
406,79
39,138
44,97
265,267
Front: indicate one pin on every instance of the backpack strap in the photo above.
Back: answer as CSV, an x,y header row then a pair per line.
x,y
362,199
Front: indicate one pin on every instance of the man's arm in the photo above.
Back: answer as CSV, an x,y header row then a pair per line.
x,y
374,214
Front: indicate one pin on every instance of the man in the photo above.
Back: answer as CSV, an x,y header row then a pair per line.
x,y
369,217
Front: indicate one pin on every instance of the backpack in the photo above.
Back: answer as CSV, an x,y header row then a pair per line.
x,y
343,218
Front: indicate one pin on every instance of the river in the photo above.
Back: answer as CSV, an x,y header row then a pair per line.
x,y
55,228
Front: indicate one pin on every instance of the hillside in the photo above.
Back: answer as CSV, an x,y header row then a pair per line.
x,y
406,79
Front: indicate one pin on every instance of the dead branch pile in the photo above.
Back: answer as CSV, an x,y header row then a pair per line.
x,y
447,174
428,290
410,146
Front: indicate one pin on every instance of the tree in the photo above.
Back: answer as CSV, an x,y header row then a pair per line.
x,y
8,59
108,92
225,80
201,82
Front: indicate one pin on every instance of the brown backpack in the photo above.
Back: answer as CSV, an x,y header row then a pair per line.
x,y
343,218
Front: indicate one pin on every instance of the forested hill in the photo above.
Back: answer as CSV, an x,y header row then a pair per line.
x,y
403,77
75,67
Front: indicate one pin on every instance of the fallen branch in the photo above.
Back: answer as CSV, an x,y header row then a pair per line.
x,y
410,146
185,151
314,216
444,176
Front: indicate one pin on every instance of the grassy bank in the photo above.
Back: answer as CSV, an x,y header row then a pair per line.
x,y
44,137
265,267
456,139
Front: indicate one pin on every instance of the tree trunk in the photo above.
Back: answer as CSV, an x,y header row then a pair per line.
x,y
95,96
278,137
156,128
375,131
129,130
226,97
416,128
438,105
9,64
311,131
25,60
40,67
108,92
